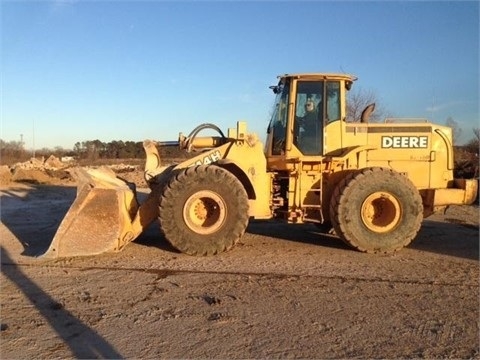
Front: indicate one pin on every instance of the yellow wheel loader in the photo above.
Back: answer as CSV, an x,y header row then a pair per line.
x,y
372,183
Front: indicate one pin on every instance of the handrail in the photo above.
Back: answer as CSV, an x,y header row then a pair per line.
x,y
406,120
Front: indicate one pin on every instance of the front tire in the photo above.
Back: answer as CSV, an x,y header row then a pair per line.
x,y
376,210
203,210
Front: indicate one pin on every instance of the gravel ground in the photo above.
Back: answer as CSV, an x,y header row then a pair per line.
x,y
284,291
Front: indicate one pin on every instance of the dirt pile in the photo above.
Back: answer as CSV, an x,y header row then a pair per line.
x,y
55,171
130,173
36,171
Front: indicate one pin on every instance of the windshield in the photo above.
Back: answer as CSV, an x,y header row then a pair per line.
x,y
278,123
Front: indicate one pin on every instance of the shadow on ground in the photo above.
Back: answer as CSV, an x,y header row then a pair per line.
x,y
451,238
83,341
33,213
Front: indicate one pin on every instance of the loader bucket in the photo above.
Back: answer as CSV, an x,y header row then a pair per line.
x,y
99,220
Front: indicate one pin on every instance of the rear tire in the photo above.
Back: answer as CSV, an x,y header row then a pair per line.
x,y
376,210
203,210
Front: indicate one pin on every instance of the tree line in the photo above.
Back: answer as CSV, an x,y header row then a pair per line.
x,y
117,149
91,150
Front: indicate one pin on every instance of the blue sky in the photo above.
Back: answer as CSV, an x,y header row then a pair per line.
x,y
134,70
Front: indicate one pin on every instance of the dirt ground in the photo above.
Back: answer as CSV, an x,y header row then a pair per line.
x,y
283,292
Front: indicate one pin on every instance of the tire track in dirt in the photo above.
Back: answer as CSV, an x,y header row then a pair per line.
x,y
165,273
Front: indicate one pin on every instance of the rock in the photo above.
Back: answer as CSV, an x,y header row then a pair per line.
x,y
30,175
53,163
5,175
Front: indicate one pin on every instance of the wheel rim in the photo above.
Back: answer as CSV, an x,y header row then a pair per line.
x,y
204,212
381,212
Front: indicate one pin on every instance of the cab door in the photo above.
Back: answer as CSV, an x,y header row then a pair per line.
x,y
309,117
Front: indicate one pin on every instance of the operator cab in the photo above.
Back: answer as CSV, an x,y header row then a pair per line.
x,y
304,105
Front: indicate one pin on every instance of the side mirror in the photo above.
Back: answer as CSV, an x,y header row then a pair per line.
x,y
274,88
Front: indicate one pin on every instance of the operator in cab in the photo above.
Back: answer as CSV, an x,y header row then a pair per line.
x,y
307,129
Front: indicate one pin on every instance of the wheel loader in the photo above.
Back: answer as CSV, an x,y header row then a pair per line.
x,y
370,183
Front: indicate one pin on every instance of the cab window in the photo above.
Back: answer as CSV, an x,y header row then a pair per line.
x,y
333,101
278,123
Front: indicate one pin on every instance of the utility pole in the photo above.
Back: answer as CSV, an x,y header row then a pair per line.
x,y
33,139
22,149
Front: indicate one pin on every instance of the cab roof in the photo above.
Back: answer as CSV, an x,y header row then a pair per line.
x,y
319,76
